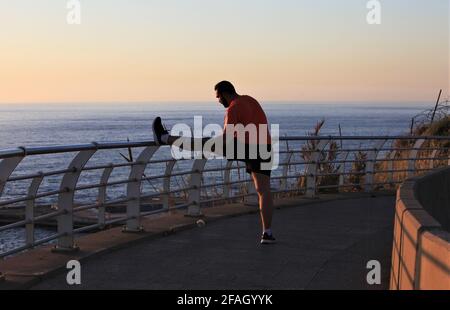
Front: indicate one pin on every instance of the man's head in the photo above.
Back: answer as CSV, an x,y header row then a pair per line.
x,y
225,92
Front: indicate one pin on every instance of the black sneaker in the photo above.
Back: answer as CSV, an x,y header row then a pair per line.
x,y
158,131
267,239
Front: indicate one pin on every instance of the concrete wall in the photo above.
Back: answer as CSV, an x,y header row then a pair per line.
x,y
421,245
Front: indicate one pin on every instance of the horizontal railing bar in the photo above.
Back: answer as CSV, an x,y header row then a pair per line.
x,y
154,177
370,172
412,159
117,220
168,192
402,170
318,138
12,201
349,173
161,176
26,151
113,183
90,227
288,190
13,225
89,168
162,210
98,205
26,198
222,169
227,198
24,222
86,228
37,175
49,238
16,250
49,215
361,185
370,149
36,243
84,187
131,164
225,183
295,163
50,193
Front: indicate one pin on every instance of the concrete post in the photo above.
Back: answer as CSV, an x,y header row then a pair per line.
x,y
195,183
284,180
227,179
29,209
7,167
102,195
370,166
390,166
311,168
342,171
413,157
65,201
166,184
134,190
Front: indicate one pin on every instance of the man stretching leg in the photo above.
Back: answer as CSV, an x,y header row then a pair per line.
x,y
241,110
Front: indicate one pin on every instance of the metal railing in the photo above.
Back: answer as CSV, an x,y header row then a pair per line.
x,y
309,165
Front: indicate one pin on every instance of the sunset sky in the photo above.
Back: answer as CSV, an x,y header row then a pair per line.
x,y
176,50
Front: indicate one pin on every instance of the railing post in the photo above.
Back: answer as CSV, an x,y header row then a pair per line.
x,y
227,179
7,167
102,195
342,171
134,190
284,180
433,156
65,201
195,183
390,166
29,209
370,166
413,157
166,185
311,168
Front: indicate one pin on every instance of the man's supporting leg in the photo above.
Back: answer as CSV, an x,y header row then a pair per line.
x,y
262,185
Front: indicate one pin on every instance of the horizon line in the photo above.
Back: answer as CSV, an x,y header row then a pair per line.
x,y
290,101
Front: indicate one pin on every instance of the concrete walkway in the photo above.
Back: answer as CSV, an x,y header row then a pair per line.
x,y
320,246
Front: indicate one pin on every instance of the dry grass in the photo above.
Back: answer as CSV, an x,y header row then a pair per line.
x,y
439,128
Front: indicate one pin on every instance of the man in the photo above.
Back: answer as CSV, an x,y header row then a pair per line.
x,y
244,111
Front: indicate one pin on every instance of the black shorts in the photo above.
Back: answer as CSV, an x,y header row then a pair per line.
x,y
252,164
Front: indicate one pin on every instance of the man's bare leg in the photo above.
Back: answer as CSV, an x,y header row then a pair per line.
x,y
189,144
262,186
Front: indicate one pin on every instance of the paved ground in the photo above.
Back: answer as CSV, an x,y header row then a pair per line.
x,y
320,246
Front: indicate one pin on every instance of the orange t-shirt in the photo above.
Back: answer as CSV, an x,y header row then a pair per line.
x,y
245,110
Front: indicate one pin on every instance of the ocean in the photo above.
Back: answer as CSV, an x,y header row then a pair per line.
x,y
40,124
52,124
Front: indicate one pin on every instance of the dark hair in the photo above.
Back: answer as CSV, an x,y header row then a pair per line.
x,y
225,87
